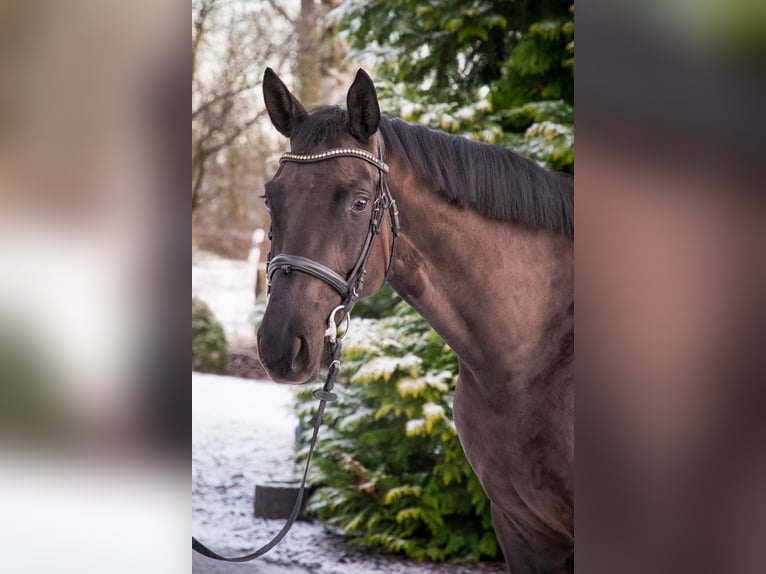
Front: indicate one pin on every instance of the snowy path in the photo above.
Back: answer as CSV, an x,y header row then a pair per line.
x,y
242,433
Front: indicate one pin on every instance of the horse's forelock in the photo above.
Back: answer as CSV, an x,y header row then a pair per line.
x,y
320,125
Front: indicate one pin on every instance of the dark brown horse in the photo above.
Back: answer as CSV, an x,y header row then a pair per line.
x,y
485,256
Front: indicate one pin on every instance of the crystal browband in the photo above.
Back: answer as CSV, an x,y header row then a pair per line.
x,y
331,153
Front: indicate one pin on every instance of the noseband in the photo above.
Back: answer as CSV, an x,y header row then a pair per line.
x,y
351,286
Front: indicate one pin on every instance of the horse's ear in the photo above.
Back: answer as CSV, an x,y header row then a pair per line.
x,y
363,108
284,108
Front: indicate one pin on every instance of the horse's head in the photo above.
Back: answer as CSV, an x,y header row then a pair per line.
x,y
321,209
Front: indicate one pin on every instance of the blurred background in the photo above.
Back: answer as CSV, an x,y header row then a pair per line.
x,y
93,275
669,279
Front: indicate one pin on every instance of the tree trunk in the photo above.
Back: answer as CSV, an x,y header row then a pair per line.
x,y
309,55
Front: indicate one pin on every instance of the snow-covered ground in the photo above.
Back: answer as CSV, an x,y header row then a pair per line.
x,y
228,288
242,433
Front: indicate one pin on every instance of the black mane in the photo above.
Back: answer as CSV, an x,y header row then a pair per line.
x,y
494,181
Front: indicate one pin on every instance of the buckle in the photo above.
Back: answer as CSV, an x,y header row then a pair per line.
x,y
325,396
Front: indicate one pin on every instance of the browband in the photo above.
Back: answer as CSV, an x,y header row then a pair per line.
x,y
337,152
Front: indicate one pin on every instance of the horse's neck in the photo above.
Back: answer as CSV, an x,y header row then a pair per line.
x,y
496,292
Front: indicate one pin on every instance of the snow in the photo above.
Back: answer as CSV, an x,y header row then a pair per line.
x,y
243,433
269,407
415,427
432,411
228,288
411,387
384,367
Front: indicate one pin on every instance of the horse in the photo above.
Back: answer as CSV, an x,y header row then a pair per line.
x,y
485,255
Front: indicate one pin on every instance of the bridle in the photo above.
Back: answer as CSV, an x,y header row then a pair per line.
x,y
351,286
349,289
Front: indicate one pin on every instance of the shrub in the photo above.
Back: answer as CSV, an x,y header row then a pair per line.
x,y
389,470
34,401
209,349
383,304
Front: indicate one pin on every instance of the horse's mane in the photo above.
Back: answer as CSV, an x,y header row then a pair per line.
x,y
494,181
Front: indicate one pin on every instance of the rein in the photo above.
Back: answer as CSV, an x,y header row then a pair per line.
x,y
324,395
349,289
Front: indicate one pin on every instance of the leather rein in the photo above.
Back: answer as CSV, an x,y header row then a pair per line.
x,y
349,289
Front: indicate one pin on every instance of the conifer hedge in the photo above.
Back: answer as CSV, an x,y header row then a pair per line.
x,y
389,469
209,349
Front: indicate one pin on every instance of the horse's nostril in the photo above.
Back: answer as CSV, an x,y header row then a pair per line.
x,y
300,354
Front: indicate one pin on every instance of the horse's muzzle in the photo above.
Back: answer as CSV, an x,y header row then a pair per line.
x,y
289,361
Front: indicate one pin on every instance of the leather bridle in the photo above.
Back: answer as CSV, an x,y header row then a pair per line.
x,y
349,289
351,286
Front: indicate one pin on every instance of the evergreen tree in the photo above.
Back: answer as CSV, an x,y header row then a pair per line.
x,y
389,470
500,71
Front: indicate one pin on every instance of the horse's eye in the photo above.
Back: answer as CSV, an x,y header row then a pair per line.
x,y
359,205
266,203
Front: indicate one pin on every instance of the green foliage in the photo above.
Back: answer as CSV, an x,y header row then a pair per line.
x,y
536,93
383,304
33,400
209,350
389,467
498,71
